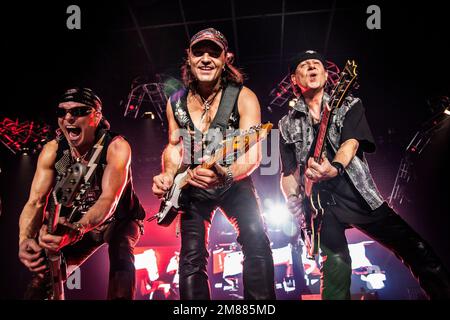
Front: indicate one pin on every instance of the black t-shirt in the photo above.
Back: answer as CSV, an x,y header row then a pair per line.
x,y
347,198
355,127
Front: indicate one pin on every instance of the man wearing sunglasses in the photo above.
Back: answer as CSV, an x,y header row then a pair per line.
x,y
214,100
108,212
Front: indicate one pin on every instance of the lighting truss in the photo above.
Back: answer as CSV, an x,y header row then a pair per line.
x,y
283,92
153,93
417,145
23,137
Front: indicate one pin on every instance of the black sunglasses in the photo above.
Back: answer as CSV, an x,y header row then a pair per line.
x,y
75,112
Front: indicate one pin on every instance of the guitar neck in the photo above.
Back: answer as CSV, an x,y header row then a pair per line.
x,y
53,215
238,144
321,136
346,80
209,163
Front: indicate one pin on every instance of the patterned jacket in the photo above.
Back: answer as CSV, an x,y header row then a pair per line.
x,y
296,128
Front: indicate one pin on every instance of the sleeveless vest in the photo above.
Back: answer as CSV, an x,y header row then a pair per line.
x,y
195,143
296,128
129,206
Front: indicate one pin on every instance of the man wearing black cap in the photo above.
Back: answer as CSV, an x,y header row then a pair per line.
x,y
214,98
108,212
345,185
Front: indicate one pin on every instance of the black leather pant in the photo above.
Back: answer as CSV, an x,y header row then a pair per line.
x,y
241,207
121,236
394,233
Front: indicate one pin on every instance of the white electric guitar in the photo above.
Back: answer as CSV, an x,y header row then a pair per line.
x,y
238,144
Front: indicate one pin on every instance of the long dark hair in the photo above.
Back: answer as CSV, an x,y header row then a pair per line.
x,y
230,74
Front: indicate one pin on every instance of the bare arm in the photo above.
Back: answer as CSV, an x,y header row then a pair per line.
x,y
347,152
250,115
32,215
172,153
171,157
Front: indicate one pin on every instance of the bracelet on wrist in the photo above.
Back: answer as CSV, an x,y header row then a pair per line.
x,y
227,179
80,230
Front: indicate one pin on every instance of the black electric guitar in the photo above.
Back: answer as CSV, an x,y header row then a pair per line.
x,y
67,195
67,186
313,206
238,144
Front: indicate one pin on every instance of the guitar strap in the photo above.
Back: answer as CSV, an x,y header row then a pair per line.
x,y
218,127
94,158
226,107
179,100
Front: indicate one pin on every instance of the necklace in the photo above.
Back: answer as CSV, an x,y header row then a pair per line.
x,y
74,152
206,104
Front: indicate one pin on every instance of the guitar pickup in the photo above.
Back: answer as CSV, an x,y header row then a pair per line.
x,y
69,184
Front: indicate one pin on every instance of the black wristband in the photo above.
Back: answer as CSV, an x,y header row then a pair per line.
x,y
339,166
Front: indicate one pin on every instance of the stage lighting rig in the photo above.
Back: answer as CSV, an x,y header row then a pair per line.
x,y
152,94
422,138
26,137
284,92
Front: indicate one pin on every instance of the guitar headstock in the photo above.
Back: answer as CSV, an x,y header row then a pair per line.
x,y
350,69
345,82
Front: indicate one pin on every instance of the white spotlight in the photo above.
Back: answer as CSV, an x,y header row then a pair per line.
x,y
277,214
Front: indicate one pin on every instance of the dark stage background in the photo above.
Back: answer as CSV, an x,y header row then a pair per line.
x,y
402,68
